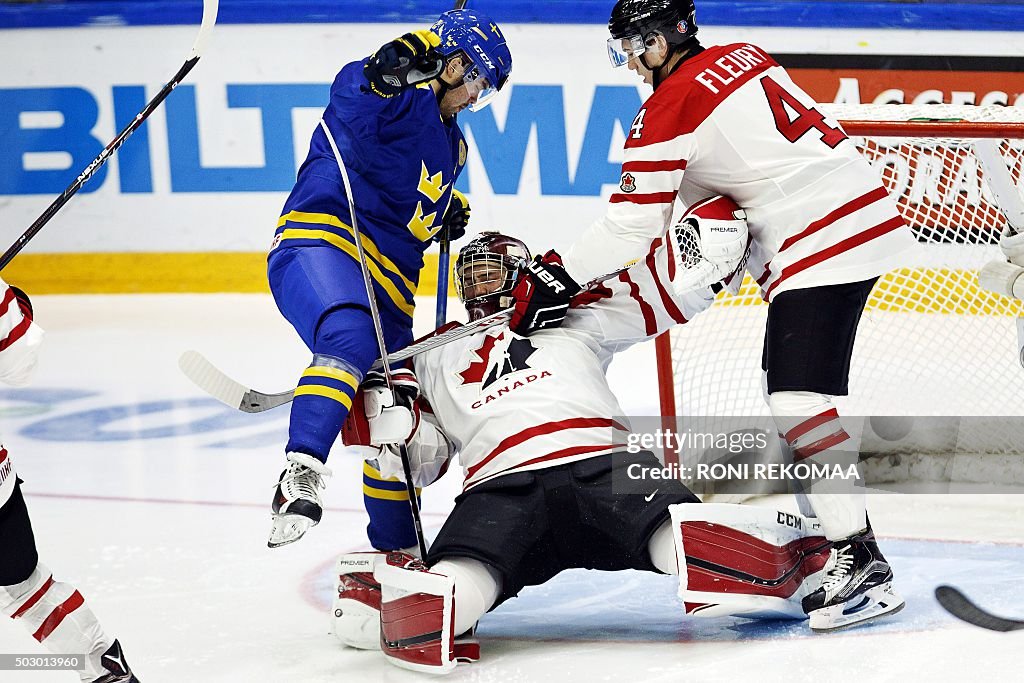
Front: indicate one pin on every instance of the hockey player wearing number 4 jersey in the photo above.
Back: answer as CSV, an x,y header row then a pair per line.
x,y
534,423
729,120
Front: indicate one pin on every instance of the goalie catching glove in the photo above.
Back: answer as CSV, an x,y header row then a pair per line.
x,y
404,62
542,295
711,244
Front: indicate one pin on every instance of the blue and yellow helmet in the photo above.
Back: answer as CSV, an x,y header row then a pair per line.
x,y
480,40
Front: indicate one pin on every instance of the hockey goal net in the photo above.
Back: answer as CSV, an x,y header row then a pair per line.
x,y
931,341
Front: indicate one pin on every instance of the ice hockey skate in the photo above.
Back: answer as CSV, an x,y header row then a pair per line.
x,y
296,506
856,586
114,662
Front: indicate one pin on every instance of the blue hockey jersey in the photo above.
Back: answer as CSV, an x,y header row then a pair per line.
x,y
402,161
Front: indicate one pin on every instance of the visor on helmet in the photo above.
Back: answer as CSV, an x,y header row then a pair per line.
x,y
621,50
479,86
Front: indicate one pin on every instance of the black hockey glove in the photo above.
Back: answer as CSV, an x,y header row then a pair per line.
x,y
23,302
456,218
542,295
404,62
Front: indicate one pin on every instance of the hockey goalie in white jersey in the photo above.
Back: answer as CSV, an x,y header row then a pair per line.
x,y
534,423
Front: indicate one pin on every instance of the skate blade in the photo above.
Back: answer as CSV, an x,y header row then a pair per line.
x,y
287,529
832,618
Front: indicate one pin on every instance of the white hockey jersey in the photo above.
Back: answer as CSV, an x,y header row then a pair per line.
x,y
730,121
510,403
19,348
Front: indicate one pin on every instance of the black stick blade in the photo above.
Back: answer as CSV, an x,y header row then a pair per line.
x,y
957,604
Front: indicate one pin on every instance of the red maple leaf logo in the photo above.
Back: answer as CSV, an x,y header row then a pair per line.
x,y
628,183
475,372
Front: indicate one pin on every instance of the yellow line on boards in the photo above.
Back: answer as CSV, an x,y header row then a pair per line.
x,y
159,273
918,290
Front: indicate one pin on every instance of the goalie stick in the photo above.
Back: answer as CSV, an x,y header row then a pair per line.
x,y
210,8
207,377
960,606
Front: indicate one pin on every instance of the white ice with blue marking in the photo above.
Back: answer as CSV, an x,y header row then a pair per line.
x,y
153,500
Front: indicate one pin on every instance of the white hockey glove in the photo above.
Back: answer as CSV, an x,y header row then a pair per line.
x,y
1012,244
392,414
710,243
429,452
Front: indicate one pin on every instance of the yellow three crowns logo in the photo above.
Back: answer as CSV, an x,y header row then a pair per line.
x,y
431,187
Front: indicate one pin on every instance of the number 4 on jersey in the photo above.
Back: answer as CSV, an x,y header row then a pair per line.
x,y
638,124
782,102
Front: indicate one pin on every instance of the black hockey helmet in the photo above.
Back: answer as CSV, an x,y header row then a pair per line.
x,y
487,270
633,23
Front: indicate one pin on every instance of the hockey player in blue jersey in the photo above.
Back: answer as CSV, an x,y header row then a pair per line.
x,y
393,118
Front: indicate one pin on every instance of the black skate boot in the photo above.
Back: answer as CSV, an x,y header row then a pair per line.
x,y
114,662
297,506
856,586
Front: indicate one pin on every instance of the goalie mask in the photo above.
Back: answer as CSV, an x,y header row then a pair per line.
x,y
486,271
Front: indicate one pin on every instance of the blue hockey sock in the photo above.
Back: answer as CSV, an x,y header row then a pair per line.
x,y
344,348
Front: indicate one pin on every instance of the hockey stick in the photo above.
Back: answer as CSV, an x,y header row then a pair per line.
x,y
210,8
958,604
207,377
441,312
234,394
403,450
443,259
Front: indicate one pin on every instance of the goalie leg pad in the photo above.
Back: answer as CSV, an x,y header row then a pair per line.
x,y
746,561
417,615
355,619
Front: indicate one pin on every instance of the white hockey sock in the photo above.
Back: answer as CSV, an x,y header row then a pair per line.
x,y
662,549
476,588
810,425
56,615
786,454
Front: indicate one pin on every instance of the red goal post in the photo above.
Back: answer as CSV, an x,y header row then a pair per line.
x,y
931,342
